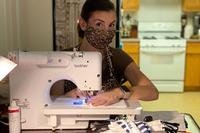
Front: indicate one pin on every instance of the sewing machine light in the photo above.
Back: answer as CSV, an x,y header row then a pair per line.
x,y
6,66
79,102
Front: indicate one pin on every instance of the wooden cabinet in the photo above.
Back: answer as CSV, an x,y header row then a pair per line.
x,y
132,48
132,5
191,5
192,68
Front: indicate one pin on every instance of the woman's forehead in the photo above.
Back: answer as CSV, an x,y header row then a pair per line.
x,y
105,16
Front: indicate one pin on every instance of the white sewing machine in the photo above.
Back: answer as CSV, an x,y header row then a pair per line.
x,y
36,72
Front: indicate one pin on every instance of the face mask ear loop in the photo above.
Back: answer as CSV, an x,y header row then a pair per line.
x,y
108,56
112,81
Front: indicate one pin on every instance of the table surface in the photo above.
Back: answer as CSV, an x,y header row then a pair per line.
x,y
190,122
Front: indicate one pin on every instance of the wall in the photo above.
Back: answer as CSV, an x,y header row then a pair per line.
x,y
2,28
7,26
25,25
35,24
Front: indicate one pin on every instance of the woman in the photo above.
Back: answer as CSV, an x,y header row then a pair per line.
x,y
97,29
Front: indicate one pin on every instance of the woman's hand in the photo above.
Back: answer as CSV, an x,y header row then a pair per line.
x,y
75,93
106,98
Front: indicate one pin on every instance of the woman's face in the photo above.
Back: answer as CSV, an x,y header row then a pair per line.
x,y
104,20
100,29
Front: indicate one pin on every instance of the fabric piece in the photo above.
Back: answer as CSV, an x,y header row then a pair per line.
x,y
156,125
119,126
168,116
143,127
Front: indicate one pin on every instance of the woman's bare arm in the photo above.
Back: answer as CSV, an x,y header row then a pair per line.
x,y
142,88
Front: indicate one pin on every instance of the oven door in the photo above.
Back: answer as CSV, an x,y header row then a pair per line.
x,y
163,63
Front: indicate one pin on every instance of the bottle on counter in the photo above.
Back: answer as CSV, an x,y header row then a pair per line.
x,y
128,25
199,33
188,30
14,118
196,24
134,29
183,24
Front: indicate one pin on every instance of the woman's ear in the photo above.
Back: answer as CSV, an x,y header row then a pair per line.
x,y
82,24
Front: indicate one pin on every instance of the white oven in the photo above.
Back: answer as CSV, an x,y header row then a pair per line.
x,y
163,61
162,55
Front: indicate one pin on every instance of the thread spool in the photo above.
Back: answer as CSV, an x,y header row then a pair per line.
x,y
14,118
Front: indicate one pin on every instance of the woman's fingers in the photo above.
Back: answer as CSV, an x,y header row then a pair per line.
x,y
98,102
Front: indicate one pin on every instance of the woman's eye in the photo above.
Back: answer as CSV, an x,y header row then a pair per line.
x,y
100,25
112,25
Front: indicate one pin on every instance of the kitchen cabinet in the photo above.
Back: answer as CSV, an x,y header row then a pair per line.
x,y
192,71
191,5
132,5
132,48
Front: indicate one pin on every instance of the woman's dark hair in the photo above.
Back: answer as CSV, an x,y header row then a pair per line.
x,y
91,6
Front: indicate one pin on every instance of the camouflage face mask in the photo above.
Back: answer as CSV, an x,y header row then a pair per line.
x,y
98,38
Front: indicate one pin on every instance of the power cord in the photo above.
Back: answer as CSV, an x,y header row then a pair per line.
x,y
4,115
4,124
7,124
4,120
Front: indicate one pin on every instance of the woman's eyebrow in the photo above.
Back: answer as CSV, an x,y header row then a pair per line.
x,y
104,21
113,21
99,20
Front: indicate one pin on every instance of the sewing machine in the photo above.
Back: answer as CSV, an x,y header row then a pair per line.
x,y
31,82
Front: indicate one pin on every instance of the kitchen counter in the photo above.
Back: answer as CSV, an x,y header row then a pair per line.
x,y
130,39
137,40
193,40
